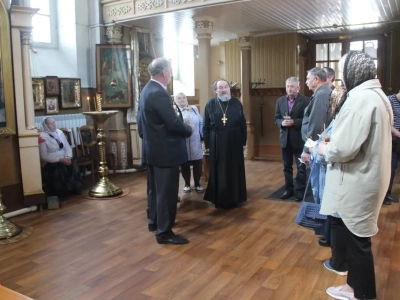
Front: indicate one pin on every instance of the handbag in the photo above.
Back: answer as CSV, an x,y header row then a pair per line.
x,y
308,214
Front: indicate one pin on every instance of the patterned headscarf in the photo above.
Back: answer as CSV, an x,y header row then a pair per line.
x,y
358,68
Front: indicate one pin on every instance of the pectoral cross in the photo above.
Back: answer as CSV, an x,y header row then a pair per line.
x,y
224,119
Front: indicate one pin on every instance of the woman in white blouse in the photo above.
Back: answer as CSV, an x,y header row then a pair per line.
x,y
191,117
60,171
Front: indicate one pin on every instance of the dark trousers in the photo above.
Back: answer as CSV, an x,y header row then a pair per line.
x,y
395,162
163,192
287,156
327,230
361,271
197,169
338,244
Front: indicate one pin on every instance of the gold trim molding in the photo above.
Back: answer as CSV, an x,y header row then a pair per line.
x,y
26,135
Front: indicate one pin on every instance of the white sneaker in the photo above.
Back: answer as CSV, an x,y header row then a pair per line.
x,y
186,189
199,189
337,293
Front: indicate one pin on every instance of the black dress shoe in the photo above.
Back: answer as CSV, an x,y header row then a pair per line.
x,y
287,194
152,227
172,240
386,201
323,242
299,196
392,199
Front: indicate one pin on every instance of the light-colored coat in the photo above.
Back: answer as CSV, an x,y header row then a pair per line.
x,y
193,143
50,151
360,150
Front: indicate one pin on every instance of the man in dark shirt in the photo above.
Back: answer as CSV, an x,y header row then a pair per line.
x,y
289,114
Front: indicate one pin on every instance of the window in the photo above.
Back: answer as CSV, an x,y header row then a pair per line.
x,y
181,55
370,47
328,55
44,23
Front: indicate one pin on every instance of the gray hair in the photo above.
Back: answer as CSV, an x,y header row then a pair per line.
x,y
215,83
158,65
330,72
293,79
318,72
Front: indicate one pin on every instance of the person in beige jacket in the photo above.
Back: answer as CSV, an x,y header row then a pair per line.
x,y
356,183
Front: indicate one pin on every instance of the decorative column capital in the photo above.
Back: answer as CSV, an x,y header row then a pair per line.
x,y
204,26
25,37
114,34
245,41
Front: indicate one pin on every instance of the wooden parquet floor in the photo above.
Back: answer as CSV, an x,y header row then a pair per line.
x,y
101,249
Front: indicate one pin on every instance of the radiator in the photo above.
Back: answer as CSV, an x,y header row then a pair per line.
x,y
64,121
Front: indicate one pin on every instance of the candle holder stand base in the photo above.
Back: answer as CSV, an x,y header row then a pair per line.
x,y
105,188
7,228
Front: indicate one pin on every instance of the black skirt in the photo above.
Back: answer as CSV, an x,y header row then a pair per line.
x,y
61,180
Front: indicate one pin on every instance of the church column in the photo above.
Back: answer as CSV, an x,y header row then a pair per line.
x,y
245,43
21,27
116,133
204,28
27,81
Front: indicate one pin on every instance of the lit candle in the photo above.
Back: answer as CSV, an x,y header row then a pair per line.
x,y
98,101
88,102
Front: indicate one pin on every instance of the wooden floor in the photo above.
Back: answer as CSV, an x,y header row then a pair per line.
x,y
101,249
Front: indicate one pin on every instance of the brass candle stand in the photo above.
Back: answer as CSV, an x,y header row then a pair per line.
x,y
104,188
7,228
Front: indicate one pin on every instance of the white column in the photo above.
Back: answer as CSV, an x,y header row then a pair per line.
x,y
21,26
245,43
27,81
204,28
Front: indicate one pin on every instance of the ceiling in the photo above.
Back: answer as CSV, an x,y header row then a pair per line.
x,y
316,19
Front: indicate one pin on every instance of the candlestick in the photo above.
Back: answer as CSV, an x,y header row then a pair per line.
x,y
98,102
88,102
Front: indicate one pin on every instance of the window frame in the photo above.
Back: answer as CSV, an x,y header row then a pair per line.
x,y
381,50
53,28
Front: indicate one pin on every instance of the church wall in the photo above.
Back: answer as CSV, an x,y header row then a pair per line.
x,y
274,59
70,58
217,63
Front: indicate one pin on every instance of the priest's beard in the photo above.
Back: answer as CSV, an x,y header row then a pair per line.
x,y
224,97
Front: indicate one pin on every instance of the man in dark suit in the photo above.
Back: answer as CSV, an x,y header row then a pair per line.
x,y
289,114
164,150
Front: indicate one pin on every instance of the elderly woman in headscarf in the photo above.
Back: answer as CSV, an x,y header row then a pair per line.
x,y
191,117
356,182
60,171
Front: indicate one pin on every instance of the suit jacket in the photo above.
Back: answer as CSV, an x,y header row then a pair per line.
x,y
163,131
296,114
317,114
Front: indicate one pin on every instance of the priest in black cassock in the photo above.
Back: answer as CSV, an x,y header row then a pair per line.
x,y
225,136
